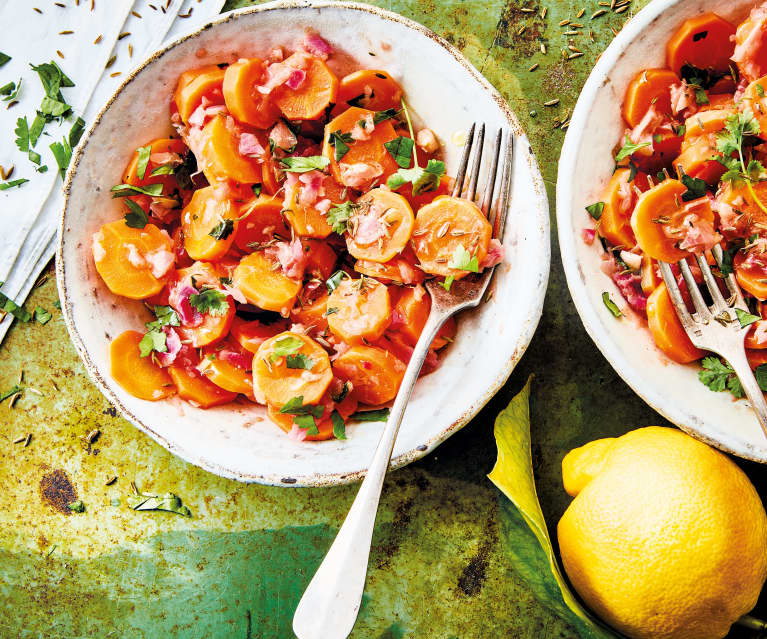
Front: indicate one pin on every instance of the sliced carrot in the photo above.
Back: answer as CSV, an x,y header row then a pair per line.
x,y
372,89
312,313
756,55
446,226
243,100
158,146
667,330
270,175
650,277
197,389
412,309
137,375
285,422
756,358
705,41
251,334
130,260
212,329
263,283
362,310
615,223
229,366
305,220
195,84
313,96
648,88
220,158
275,378
425,197
717,101
261,221
402,269
390,217
370,151
696,159
659,213
745,204
374,373
706,122
209,224
751,274
754,98
320,258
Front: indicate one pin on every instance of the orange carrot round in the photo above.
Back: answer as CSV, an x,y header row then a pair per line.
x,y
251,334
195,84
137,375
751,274
704,41
133,262
372,89
261,221
263,283
755,100
446,227
198,390
243,100
291,365
362,310
220,157
648,88
615,222
320,258
209,224
374,373
157,147
391,219
667,330
229,373
657,208
313,96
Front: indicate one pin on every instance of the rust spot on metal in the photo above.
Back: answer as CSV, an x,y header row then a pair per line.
x,y
519,30
57,491
473,576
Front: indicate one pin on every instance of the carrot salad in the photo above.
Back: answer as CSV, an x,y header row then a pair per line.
x,y
280,238
689,176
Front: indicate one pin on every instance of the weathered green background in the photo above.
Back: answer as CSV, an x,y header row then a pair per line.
x,y
237,568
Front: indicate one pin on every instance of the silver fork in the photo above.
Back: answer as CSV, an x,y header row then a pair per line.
x,y
329,606
716,328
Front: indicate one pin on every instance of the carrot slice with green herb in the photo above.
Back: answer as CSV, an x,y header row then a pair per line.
x,y
751,274
195,84
372,89
137,375
649,88
220,158
209,224
374,373
704,41
379,226
363,310
198,390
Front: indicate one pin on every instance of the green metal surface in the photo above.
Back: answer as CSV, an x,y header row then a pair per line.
x,y
238,566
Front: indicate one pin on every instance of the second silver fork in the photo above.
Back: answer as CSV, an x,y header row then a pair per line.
x,y
716,328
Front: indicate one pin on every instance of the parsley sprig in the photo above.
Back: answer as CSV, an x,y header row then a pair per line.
x,y
729,142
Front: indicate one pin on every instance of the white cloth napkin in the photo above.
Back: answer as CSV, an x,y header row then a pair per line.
x,y
29,214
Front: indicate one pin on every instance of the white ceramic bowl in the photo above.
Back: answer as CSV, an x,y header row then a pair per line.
x,y
585,167
235,441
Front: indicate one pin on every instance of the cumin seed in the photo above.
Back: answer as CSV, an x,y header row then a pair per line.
x,y
111,480
12,103
551,103
137,14
60,54
60,4
18,440
521,30
27,439
544,12
110,62
97,40
527,10
130,50
124,34
615,33
151,6
92,436
93,4
570,33
188,14
66,32
622,9
13,399
115,74
576,25
443,230
36,9
572,48
612,4
596,14
591,36
563,23
543,48
534,67
580,13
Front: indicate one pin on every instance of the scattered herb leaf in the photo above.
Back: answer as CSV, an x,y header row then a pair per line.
x,y
628,149
143,160
339,426
222,230
211,301
304,164
167,502
380,415
4,186
338,215
595,210
136,218
611,306
340,142
288,345
77,506
42,316
125,190
463,260
334,280
400,149
746,319
299,361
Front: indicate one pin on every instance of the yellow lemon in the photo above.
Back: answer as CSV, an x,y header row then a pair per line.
x,y
666,537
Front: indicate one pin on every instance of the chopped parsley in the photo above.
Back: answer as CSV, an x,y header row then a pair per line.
x,y
340,142
136,218
143,160
380,415
746,319
77,506
448,282
628,149
7,305
126,190
4,58
300,361
42,316
304,164
163,169
10,91
222,230
463,260
167,502
62,151
304,416
611,306
695,187
595,210
388,114
729,142
4,186
166,316
339,426
153,340
286,346
423,179
211,301
335,280
400,149
338,215
719,376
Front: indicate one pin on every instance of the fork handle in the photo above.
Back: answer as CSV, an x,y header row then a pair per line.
x,y
329,606
742,369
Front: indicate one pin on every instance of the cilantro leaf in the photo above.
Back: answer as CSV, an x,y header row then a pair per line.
x,y
423,179
611,306
222,230
4,186
380,415
10,91
299,361
595,210
307,422
166,316
728,254
735,387
304,415
761,376
463,260
695,187
719,376
746,319
338,215
448,282
387,114
53,108
62,153
4,58
211,301
304,164
340,142
77,506
143,160
163,169
76,132
341,395
400,149
629,148
288,345
42,316
153,340
125,190
339,426
136,218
